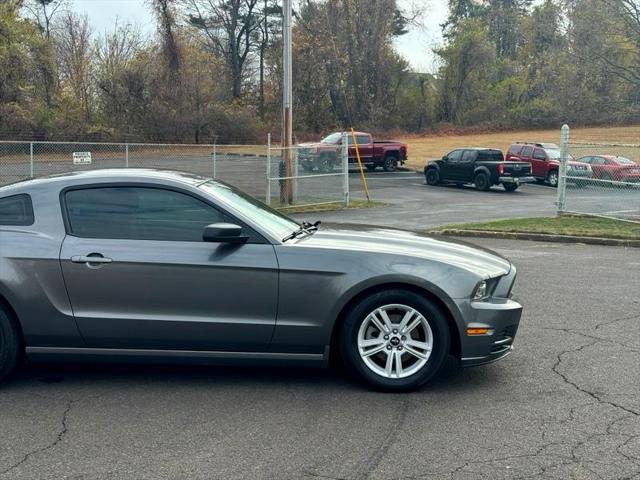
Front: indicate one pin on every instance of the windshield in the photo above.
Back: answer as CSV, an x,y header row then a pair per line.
x,y
624,161
265,217
332,139
554,154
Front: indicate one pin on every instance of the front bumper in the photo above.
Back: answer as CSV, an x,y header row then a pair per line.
x,y
501,316
581,174
516,180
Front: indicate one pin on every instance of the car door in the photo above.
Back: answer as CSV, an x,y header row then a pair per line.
x,y
599,166
365,146
139,275
464,168
449,165
538,162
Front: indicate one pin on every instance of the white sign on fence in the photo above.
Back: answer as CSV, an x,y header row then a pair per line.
x,y
81,158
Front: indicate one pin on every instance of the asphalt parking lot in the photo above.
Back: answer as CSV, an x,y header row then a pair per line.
x,y
566,404
412,204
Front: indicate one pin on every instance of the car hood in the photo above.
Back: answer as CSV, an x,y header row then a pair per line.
x,y
384,240
315,145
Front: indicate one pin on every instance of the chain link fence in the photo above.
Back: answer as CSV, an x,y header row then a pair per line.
x,y
319,177
613,188
256,169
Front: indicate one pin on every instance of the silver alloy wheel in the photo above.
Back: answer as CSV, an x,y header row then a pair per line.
x,y
553,178
395,341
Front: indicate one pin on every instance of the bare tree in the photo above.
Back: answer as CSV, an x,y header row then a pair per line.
x,y
75,57
230,30
44,12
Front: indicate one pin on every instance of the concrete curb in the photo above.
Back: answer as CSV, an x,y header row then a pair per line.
x,y
540,237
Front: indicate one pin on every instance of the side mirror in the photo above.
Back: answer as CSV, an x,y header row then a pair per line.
x,y
223,233
445,158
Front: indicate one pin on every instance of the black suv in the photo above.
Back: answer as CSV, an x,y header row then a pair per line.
x,y
483,167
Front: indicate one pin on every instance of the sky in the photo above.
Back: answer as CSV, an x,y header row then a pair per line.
x,y
415,46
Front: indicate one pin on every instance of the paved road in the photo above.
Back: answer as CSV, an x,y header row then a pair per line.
x,y
565,405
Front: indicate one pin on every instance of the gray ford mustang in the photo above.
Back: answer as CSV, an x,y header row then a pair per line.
x,y
158,266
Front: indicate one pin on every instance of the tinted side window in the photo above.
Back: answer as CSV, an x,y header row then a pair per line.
x,y
539,154
469,156
526,152
362,139
16,210
138,213
491,155
598,161
455,156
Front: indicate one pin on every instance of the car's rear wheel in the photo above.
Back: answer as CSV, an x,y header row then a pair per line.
x,y
390,163
510,187
395,340
10,346
481,181
552,178
432,176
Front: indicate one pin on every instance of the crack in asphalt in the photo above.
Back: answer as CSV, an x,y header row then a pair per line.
x,y
60,435
574,457
565,377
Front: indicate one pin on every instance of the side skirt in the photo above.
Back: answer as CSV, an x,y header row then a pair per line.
x,y
191,357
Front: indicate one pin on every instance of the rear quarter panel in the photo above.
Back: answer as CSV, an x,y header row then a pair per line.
x,y
31,276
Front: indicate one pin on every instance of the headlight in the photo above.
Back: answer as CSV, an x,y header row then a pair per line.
x,y
481,291
485,289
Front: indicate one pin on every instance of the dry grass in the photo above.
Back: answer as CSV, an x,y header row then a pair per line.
x,y
429,147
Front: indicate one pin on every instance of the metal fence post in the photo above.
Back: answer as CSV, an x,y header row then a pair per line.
x,y
294,183
562,178
31,159
215,156
126,155
345,168
268,193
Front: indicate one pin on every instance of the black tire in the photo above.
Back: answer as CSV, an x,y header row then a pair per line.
x,y
432,176
481,181
325,163
371,167
553,178
510,187
390,163
10,344
348,340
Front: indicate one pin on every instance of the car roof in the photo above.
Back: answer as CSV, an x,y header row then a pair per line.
x,y
537,144
110,175
479,149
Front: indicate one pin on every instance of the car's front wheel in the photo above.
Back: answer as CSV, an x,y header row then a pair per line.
x,y
10,350
552,178
395,340
432,176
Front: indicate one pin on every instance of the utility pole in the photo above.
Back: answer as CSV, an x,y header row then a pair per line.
x,y
287,100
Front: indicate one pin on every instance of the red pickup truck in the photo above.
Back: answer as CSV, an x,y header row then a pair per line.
x,y
325,155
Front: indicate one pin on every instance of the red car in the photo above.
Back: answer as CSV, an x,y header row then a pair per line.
x,y
611,167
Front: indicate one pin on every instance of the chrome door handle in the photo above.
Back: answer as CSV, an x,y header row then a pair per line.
x,y
90,259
